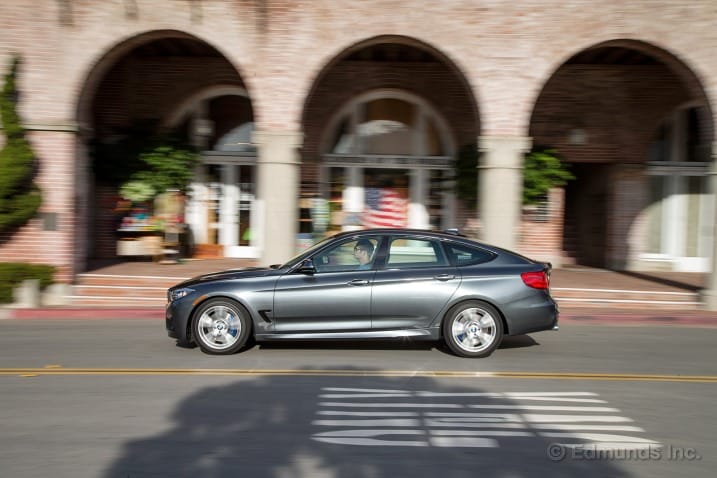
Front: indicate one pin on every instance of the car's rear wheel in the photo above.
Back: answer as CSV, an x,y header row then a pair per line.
x,y
473,329
221,327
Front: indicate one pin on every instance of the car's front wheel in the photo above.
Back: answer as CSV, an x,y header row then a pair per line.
x,y
221,327
473,329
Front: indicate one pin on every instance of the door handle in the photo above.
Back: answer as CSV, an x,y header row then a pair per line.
x,y
358,282
444,277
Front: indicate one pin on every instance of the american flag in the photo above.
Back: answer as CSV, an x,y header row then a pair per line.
x,y
385,207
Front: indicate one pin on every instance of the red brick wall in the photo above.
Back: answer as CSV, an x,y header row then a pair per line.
x,y
541,230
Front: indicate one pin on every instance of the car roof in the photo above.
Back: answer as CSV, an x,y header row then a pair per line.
x,y
403,231
453,235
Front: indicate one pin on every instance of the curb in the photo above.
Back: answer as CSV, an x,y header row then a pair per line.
x,y
573,317
83,313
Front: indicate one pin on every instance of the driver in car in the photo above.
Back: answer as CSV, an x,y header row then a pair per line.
x,y
362,253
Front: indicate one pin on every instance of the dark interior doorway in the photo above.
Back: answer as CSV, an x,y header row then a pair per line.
x,y
586,211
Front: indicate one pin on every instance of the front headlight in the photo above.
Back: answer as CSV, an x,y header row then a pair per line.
x,y
176,294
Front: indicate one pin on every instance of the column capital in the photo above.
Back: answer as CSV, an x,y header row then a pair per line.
x,y
288,138
503,152
514,143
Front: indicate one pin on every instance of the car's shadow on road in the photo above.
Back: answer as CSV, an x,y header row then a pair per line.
x,y
323,425
509,342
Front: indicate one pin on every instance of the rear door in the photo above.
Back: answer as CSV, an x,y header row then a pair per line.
x,y
414,285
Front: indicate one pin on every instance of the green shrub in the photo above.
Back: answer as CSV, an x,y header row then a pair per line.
x,y
12,274
543,170
20,197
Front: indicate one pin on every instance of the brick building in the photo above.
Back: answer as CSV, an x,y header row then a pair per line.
x,y
308,109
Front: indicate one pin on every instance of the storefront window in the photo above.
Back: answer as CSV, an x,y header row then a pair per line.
x,y
336,199
213,202
388,127
246,199
435,202
680,211
385,164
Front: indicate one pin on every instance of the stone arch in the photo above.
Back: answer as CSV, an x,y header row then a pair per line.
x,y
382,71
106,59
678,65
100,106
418,46
614,96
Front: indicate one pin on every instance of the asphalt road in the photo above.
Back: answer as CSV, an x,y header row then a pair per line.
x,y
102,398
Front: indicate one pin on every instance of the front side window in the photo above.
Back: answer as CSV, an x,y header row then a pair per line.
x,y
356,254
410,253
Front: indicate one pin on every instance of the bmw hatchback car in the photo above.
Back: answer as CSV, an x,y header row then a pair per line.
x,y
370,284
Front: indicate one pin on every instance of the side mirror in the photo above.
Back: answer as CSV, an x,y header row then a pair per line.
x,y
307,267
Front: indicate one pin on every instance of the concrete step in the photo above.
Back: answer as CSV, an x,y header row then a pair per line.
x,y
614,298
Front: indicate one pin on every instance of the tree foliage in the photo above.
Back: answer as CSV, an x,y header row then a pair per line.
x,y
20,197
543,170
138,158
167,168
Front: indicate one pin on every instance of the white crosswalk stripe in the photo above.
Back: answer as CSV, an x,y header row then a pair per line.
x,y
376,417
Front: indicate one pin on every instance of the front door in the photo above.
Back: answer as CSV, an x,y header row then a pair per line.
x,y
335,298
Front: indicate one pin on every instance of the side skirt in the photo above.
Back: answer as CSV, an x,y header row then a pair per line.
x,y
419,334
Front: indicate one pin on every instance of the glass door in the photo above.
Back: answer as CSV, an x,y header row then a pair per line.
x,y
237,214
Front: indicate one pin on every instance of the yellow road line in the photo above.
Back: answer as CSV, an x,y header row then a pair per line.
x,y
361,373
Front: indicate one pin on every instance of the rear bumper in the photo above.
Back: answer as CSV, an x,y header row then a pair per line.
x,y
534,317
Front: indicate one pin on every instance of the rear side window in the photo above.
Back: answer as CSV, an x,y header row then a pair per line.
x,y
410,253
463,255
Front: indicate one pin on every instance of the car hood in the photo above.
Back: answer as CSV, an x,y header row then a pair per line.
x,y
232,274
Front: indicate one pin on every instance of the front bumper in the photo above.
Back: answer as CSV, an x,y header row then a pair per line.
x,y
176,319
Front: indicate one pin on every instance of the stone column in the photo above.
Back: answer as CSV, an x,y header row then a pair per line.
x,y
709,295
417,210
500,188
277,193
353,198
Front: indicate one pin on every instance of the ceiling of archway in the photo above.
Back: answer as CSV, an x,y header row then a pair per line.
x,y
175,47
612,55
392,52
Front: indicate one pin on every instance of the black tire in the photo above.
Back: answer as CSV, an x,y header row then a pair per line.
x,y
473,329
221,327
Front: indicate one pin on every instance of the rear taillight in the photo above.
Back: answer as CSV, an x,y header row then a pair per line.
x,y
536,280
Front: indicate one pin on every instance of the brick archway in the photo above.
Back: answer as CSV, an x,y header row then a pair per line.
x,y
602,110
129,94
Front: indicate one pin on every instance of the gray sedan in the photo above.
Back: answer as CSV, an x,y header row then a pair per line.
x,y
370,284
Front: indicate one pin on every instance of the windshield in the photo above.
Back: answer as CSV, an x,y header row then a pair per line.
x,y
306,253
